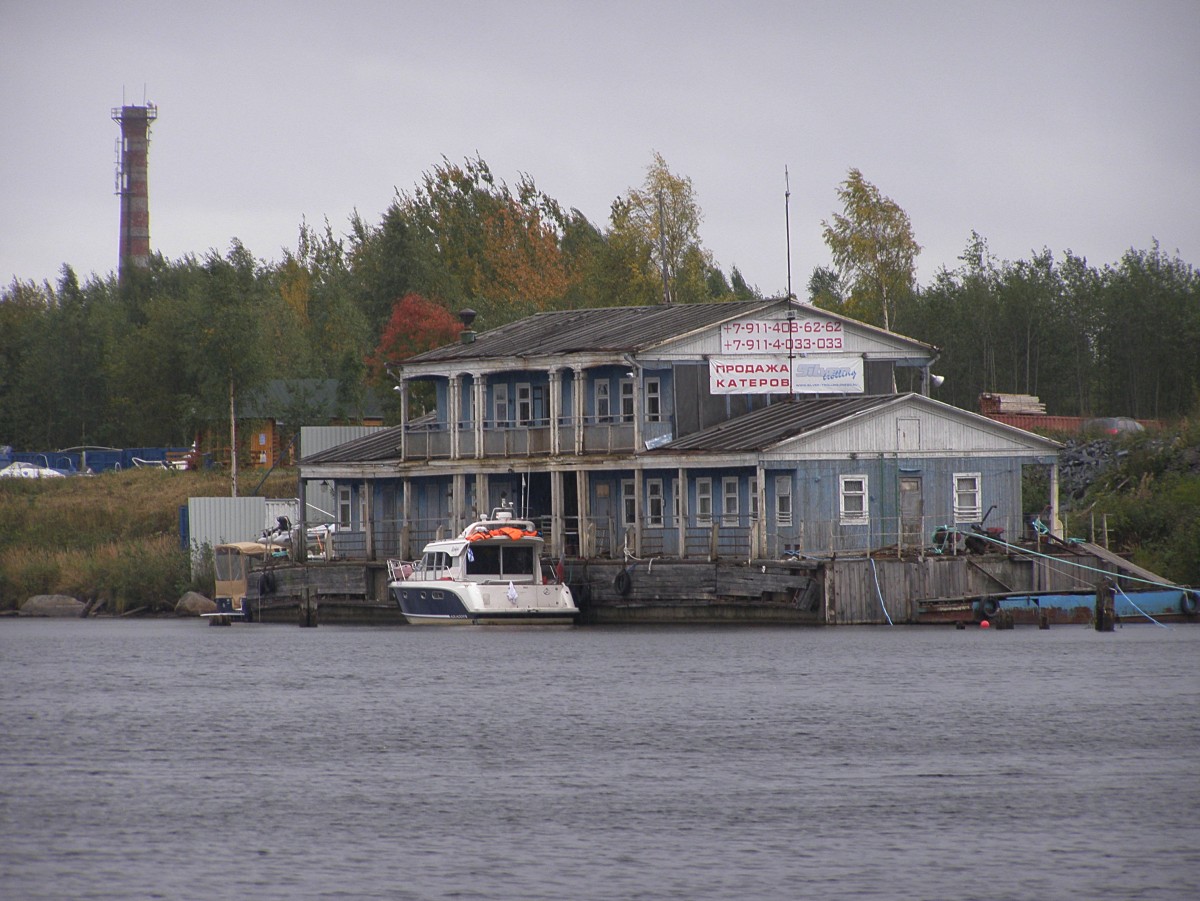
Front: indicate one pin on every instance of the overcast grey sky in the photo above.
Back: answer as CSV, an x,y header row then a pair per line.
x,y
1069,125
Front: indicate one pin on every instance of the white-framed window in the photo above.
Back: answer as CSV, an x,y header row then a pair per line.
x,y
524,403
628,503
653,400
853,500
627,400
704,501
754,498
783,500
345,508
655,506
968,498
603,402
730,511
500,404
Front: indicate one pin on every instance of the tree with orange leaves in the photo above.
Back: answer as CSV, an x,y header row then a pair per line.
x,y
416,325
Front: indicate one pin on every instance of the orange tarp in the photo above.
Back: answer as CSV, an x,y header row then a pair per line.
x,y
502,532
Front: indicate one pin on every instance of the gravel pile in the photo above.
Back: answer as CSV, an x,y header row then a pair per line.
x,y
1082,462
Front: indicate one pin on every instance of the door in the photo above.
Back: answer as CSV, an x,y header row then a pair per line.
x,y
912,511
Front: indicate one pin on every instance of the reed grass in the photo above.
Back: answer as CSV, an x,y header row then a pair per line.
x,y
111,537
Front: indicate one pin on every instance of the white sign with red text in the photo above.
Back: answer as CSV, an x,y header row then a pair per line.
x,y
770,375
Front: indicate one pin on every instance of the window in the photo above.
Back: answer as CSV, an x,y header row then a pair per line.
x,y
754,499
484,560
655,508
627,400
703,502
853,500
968,501
344,514
783,500
500,404
729,501
524,404
603,406
539,405
653,400
628,503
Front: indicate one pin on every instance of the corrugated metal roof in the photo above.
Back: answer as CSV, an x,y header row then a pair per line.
x,y
381,445
767,426
603,329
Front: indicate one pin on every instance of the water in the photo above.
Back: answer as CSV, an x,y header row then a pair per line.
x,y
166,759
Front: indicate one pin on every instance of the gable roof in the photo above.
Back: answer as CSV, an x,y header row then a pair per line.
x,y
611,329
381,445
767,426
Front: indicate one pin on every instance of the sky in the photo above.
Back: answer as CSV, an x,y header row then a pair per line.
x,y
1058,124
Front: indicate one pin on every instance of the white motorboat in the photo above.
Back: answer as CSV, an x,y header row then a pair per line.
x,y
490,574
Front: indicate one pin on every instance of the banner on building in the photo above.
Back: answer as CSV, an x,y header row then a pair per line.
x,y
771,375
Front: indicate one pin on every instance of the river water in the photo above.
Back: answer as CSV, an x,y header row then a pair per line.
x,y
166,759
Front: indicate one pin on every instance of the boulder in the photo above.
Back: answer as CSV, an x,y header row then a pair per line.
x,y
52,605
194,604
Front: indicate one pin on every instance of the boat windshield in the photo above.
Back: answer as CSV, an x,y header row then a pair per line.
x,y
229,564
498,560
433,565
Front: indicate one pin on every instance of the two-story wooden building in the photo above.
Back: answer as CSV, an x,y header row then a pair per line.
x,y
735,431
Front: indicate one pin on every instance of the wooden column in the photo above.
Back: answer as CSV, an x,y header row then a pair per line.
x,y
555,410
453,414
480,388
681,523
578,403
403,386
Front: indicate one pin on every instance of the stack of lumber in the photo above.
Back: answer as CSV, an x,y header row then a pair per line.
x,y
1011,403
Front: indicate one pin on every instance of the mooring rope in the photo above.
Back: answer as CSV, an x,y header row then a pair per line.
x,y
1059,560
1139,609
879,592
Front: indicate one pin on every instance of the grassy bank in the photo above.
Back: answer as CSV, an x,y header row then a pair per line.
x,y
114,536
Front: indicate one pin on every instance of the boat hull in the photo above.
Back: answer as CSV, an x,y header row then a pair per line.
x,y
1067,607
459,604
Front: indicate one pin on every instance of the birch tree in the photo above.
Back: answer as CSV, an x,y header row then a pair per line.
x,y
874,251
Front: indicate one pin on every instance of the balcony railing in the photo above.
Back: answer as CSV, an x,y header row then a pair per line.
x,y
612,435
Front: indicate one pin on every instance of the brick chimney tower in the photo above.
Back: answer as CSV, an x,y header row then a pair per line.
x,y
133,183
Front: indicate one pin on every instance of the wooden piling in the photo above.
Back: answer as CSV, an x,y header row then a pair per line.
x,y
308,609
1105,615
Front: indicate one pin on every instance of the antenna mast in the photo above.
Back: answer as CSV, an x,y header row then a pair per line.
x,y
787,224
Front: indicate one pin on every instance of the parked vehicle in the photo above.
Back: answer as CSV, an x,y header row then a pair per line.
x,y
1112,425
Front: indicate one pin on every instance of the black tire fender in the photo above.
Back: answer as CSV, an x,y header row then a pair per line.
x,y
1189,603
622,583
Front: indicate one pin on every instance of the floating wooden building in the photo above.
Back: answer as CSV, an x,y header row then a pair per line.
x,y
743,461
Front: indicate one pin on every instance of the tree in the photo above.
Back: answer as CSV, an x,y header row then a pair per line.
x,y
467,239
874,251
416,325
825,290
657,228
